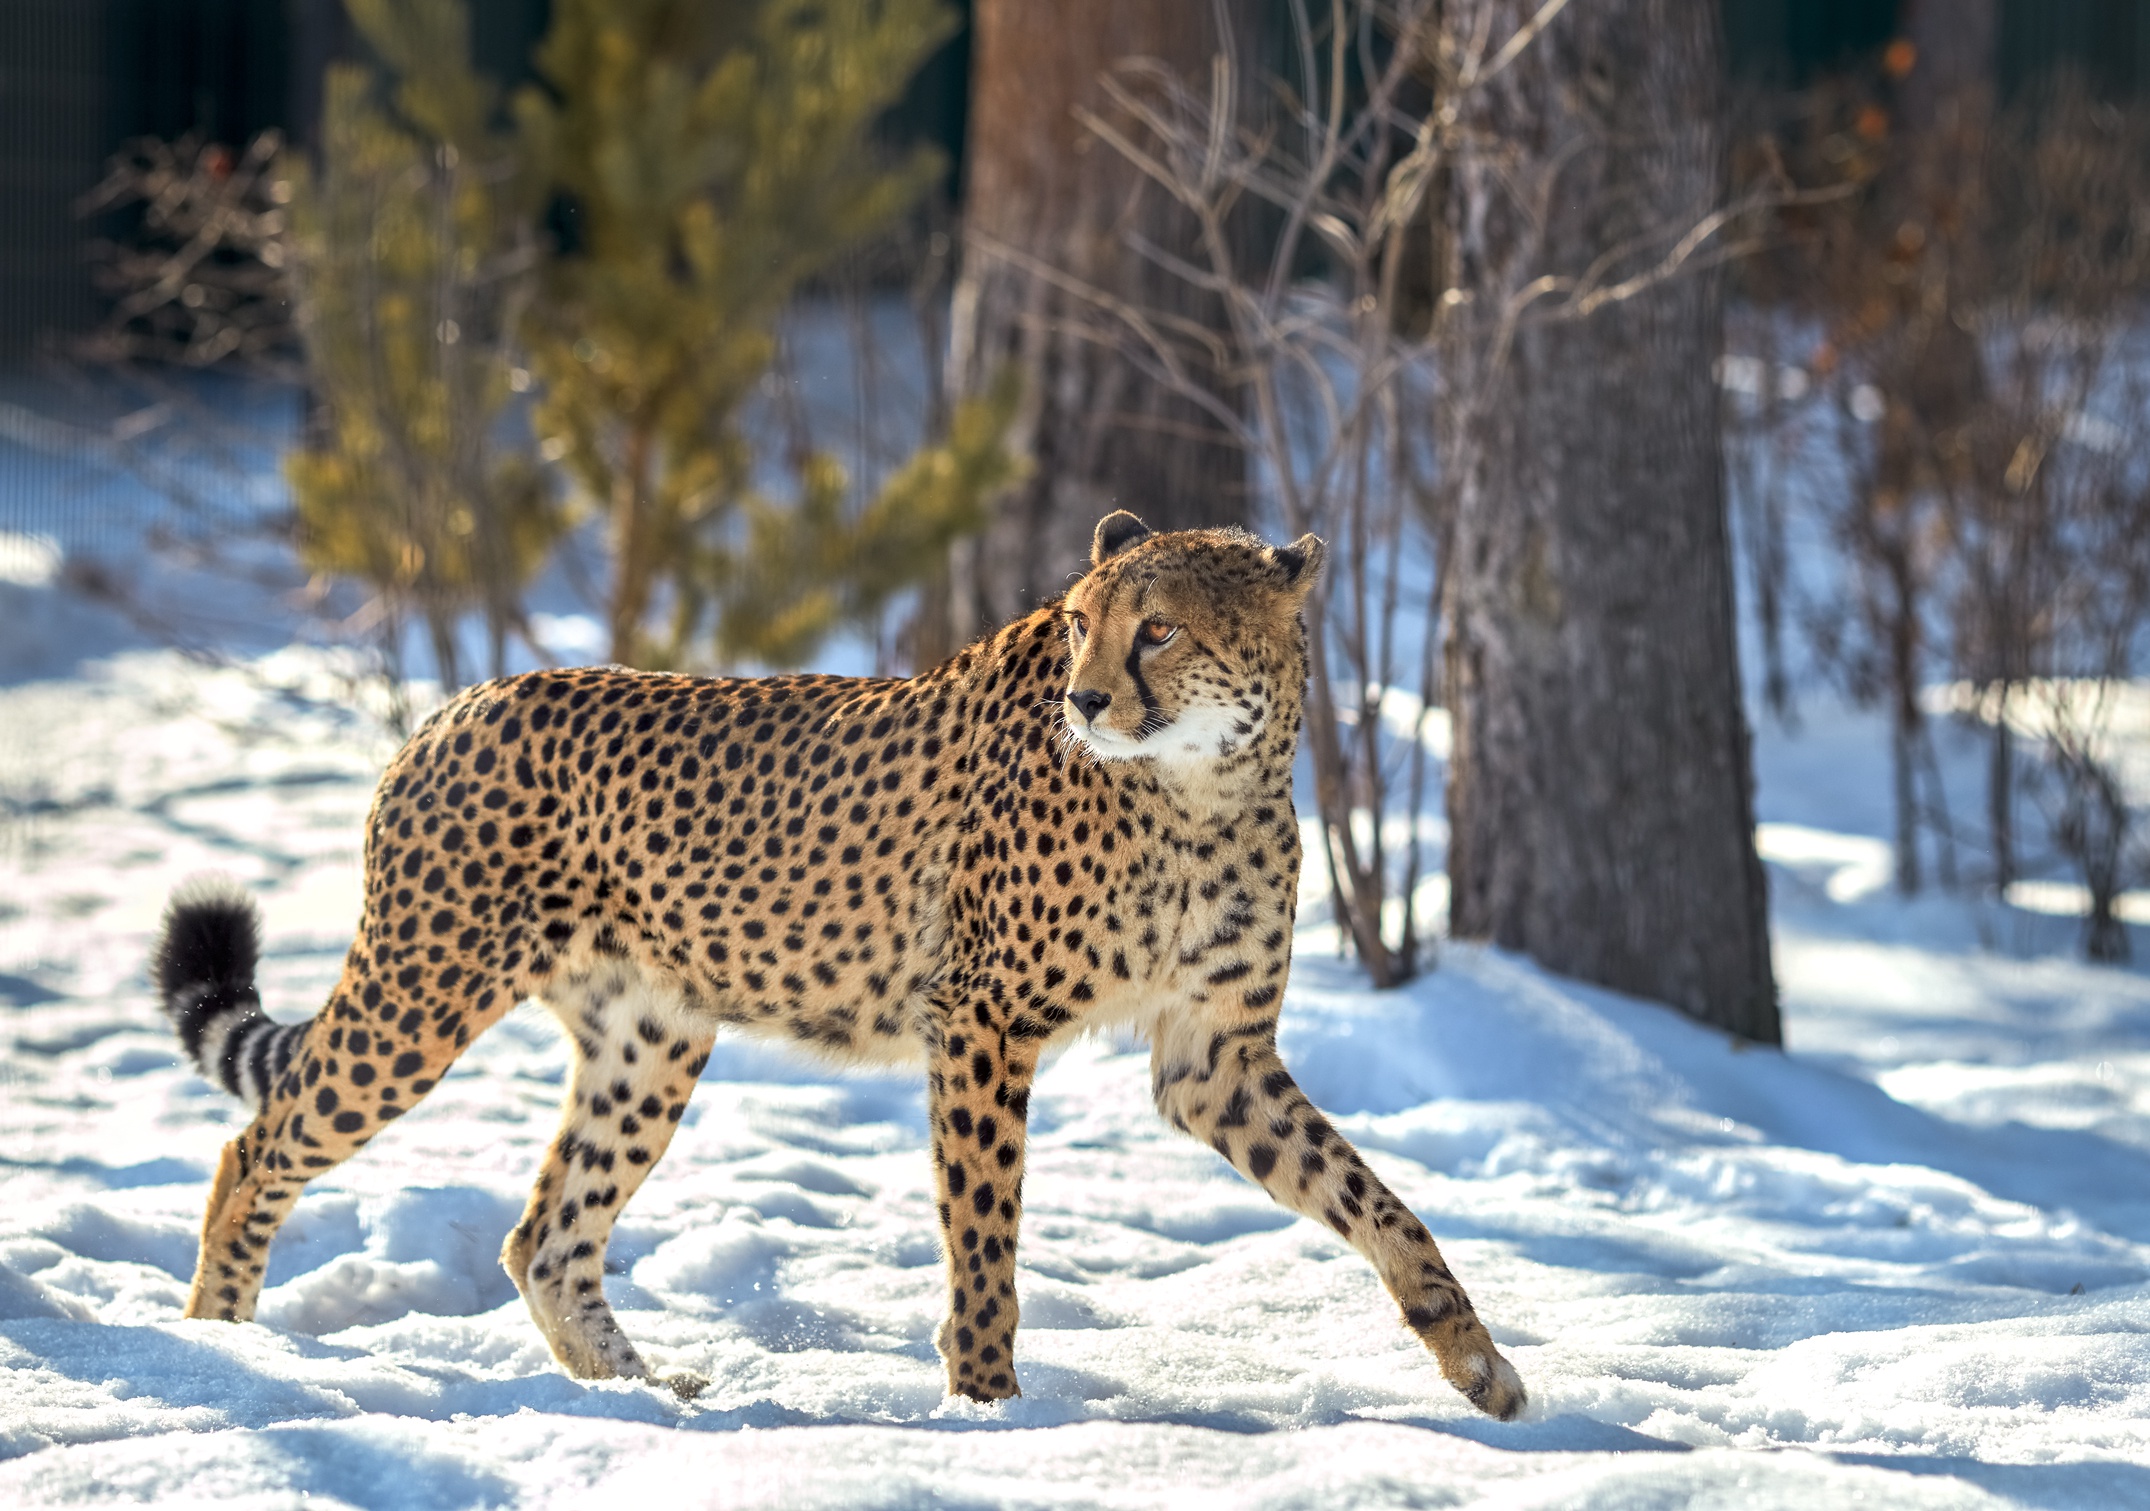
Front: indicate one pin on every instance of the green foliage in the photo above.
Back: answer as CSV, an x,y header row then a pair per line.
x,y
714,157
806,568
412,256
705,160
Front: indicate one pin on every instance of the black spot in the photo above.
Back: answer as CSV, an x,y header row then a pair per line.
x,y
1421,1318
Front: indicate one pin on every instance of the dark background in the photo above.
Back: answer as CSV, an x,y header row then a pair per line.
x,y
78,77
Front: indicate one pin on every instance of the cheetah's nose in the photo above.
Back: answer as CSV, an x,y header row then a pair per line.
x,y
1090,704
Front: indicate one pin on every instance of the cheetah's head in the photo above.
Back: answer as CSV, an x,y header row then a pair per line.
x,y
1185,647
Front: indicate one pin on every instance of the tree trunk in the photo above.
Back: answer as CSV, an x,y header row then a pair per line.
x,y
1904,711
1601,793
1041,193
1949,87
1946,105
2001,792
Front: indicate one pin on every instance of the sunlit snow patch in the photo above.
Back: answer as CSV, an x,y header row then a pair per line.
x,y
29,561
2067,899
1848,867
2111,716
1404,716
574,638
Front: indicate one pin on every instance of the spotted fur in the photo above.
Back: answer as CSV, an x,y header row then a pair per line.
x,y
1084,819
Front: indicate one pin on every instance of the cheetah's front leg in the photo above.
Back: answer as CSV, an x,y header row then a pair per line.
x,y
978,1098
1231,1090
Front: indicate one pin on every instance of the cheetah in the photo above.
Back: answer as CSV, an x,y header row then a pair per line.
x,y
1082,820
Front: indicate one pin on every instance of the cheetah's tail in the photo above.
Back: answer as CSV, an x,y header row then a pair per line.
x,y
203,964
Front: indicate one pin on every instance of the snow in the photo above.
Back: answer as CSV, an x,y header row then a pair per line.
x,y
1906,1263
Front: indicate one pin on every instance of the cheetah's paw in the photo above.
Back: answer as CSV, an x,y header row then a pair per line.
x,y
1496,1389
684,1383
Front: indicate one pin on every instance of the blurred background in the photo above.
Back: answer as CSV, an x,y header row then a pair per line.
x,y
463,339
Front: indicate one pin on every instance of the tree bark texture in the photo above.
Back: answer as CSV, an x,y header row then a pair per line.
x,y
1601,790
1041,193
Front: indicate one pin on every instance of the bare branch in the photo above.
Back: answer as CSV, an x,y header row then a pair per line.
x,y
1512,49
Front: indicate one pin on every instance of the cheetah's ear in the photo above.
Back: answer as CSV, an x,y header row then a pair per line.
x,y
1116,532
1300,562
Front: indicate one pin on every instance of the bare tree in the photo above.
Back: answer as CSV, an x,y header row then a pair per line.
x,y
1041,198
1600,796
2048,461
2093,821
198,281
1918,378
1324,386
1335,367
1977,298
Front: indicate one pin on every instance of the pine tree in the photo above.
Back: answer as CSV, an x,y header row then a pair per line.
x,y
711,158
412,256
809,567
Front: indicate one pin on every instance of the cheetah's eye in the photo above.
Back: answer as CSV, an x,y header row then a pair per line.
x,y
1079,623
1156,632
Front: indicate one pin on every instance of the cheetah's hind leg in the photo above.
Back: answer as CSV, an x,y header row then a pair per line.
x,y
637,1053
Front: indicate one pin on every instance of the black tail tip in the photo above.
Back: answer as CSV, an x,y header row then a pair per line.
x,y
211,937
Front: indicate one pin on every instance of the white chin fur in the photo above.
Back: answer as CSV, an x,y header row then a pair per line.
x,y
1106,745
1197,738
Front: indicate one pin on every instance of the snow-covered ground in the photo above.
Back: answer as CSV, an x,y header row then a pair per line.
x,y
1905,1263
